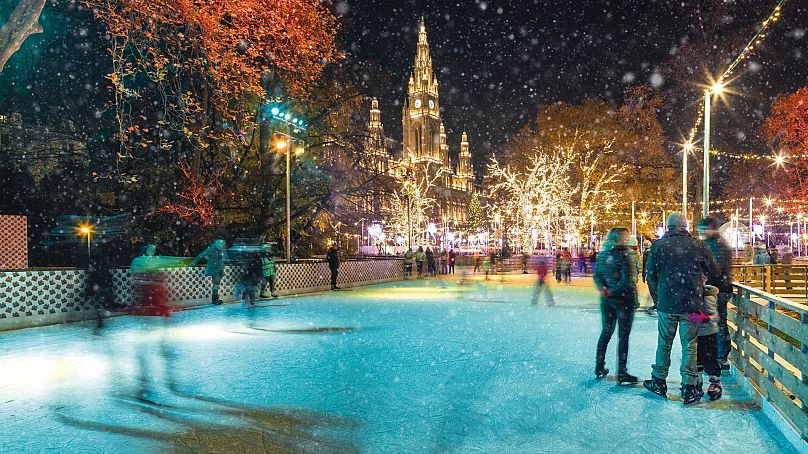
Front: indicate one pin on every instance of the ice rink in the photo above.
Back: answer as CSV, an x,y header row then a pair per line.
x,y
419,366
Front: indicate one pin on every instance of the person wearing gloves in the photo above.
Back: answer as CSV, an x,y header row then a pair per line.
x,y
215,255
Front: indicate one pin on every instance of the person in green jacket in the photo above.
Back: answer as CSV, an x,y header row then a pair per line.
x,y
409,259
215,255
268,271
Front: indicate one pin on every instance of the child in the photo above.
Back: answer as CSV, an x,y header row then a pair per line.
x,y
268,271
248,284
708,345
541,284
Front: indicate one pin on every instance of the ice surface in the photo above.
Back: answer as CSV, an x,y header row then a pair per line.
x,y
404,367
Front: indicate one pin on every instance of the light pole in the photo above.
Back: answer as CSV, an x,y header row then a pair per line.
x,y
685,152
87,230
286,148
716,88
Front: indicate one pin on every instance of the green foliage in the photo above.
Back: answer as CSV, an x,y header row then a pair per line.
x,y
475,216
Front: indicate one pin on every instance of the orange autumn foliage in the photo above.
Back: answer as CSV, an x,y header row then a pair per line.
x,y
786,130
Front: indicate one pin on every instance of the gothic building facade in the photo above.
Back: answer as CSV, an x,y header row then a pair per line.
x,y
424,144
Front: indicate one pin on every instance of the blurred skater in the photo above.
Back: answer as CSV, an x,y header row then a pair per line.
x,y
541,284
333,265
452,258
215,255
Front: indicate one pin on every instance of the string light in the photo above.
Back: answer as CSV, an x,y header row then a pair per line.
x,y
744,54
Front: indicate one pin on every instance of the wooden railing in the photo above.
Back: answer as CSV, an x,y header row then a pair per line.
x,y
770,337
785,281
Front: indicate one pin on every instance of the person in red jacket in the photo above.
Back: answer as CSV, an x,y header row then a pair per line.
x,y
541,284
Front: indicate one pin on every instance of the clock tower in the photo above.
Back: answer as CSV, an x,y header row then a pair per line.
x,y
421,122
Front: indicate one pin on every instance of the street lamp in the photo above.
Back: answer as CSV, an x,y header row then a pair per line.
x,y
87,230
686,150
715,89
284,147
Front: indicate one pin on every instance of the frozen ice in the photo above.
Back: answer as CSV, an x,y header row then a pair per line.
x,y
404,367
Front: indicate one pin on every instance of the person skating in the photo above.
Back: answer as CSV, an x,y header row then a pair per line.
x,y
249,280
566,265
452,258
615,276
268,272
215,255
525,261
333,265
444,262
541,284
708,232
651,310
707,357
477,261
675,267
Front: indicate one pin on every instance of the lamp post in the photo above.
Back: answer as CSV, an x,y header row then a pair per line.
x,y
685,152
286,148
88,231
715,89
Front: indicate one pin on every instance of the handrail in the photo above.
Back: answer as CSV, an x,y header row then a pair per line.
x,y
770,337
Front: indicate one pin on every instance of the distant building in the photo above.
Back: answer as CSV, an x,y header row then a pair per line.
x,y
424,143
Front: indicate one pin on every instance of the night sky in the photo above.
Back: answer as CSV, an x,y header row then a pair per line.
x,y
497,61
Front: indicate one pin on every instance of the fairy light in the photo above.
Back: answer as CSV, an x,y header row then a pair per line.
x,y
721,82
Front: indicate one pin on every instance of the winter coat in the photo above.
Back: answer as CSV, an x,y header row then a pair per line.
x,y
676,264
616,276
761,258
409,257
215,260
710,308
723,258
333,259
635,257
430,257
420,256
267,265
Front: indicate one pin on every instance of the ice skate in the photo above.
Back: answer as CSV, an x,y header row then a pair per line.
x,y
715,390
656,386
626,378
690,394
601,372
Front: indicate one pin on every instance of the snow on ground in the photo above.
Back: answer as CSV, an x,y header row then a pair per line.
x,y
415,366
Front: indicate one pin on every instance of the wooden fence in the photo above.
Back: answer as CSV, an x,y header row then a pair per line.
x,y
785,281
770,336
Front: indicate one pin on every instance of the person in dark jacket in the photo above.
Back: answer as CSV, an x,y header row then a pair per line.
x,y
615,276
333,264
708,232
430,262
216,256
676,264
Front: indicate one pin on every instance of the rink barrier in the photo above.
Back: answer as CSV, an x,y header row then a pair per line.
x,y
36,298
785,281
770,340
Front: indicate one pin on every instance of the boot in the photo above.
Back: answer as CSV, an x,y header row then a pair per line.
x,y
625,377
715,390
656,386
601,371
690,394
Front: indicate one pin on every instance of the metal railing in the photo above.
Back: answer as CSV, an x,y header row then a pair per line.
x,y
770,337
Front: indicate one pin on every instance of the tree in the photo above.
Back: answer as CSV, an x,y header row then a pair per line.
x,y
22,23
475,216
786,130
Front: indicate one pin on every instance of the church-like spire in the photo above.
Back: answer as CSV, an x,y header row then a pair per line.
x,y
424,80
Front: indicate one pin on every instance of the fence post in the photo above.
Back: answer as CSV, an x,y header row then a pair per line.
x,y
767,278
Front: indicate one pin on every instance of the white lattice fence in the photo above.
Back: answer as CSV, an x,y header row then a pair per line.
x,y
53,292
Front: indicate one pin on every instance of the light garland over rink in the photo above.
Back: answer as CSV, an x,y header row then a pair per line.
x,y
744,54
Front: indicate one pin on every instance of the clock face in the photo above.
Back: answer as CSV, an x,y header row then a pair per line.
x,y
431,104
417,103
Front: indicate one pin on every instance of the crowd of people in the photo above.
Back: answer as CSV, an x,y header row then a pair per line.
x,y
689,280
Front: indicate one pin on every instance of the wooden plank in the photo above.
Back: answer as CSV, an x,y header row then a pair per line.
x,y
786,324
781,347
786,377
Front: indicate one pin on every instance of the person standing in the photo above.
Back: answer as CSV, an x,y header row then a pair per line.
x,y
525,261
566,265
675,267
707,358
268,271
708,232
444,262
762,256
333,265
409,258
787,261
615,276
430,262
476,261
420,258
215,255
452,258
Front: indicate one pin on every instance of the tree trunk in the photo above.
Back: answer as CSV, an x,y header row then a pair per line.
x,y
22,23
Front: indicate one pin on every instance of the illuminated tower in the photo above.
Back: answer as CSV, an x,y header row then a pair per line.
x,y
421,123
465,172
